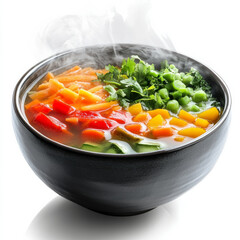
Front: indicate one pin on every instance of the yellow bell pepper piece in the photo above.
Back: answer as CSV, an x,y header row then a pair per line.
x,y
192,132
156,121
135,109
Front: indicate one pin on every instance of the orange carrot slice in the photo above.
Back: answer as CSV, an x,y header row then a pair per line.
x,y
162,132
93,135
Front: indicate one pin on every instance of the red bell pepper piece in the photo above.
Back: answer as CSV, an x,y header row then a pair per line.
x,y
85,115
120,116
101,124
49,122
61,107
41,107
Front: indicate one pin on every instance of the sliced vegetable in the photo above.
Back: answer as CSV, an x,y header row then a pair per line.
x,y
192,132
68,94
49,122
92,147
121,134
135,109
178,122
200,122
162,132
93,135
211,114
99,106
61,107
147,147
163,112
186,116
134,128
142,117
156,121
89,97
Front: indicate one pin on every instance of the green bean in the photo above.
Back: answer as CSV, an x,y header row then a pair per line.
x,y
184,100
164,93
177,85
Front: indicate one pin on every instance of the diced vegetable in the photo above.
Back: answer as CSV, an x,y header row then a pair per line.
x,y
192,132
92,147
50,122
184,100
116,148
156,121
163,112
41,107
199,96
173,106
72,120
32,103
99,106
200,122
69,94
179,138
61,107
147,147
142,117
101,123
121,134
89,97
93,135
211,114
178,122
162,132
135,109
186,116
134,128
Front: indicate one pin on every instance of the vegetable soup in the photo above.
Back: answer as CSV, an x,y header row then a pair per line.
x,y
134,108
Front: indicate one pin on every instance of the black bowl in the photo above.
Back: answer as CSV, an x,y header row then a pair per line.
x,y
119,184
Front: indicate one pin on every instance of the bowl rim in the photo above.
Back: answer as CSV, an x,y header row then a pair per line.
x,y
22,118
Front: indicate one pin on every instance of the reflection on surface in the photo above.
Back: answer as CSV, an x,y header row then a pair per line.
x,y
64,220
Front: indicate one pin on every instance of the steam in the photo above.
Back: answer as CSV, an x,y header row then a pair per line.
x,y
74,31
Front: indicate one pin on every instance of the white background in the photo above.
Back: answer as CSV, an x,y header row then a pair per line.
x,y
205,30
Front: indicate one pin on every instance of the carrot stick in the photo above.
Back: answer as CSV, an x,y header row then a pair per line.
x,y
99,106
96,89
32,103
79,77
70,71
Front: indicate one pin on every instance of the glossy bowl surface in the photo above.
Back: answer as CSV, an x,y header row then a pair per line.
x,y
119,184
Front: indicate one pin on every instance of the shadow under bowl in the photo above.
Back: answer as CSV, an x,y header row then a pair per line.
x,y
119,184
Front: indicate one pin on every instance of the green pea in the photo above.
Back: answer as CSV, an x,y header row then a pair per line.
x,y
195,108
176,94
199,96
169,86
177,76
187,79
184,100
169,76
173,106
163,93
177,85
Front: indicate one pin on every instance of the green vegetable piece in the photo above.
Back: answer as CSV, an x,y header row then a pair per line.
x,y
173,106
154,73
124,135
163,93
169,86
195,108
190,91
177,76
184,100
199,96
187,79
116,148
176,94
169,76
92,147
147,147
177,85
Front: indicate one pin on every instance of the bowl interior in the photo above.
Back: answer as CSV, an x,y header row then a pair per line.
x,y
100,56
